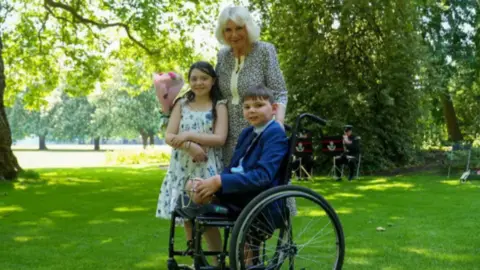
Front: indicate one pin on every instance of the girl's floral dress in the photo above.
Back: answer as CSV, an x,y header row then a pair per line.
x,y
181,166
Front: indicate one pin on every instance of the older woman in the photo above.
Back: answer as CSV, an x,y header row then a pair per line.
x,y
243,63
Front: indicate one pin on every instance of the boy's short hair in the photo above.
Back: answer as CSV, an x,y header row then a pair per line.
x,y
258,91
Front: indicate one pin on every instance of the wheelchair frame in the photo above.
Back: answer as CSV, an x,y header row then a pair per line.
x,y
232,228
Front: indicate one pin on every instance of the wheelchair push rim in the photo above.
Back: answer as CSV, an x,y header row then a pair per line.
x,y
269,236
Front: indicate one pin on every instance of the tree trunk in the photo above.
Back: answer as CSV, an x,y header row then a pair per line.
x,y
454,133
151,137
9,166
96,143
144,139
41,142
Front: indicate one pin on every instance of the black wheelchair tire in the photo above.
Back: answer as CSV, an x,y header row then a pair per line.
x,y
255,206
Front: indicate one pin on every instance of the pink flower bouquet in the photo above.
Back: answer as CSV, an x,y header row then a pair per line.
x,y
167,86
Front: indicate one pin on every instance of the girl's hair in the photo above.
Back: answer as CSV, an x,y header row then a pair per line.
x,y
240,16
215,94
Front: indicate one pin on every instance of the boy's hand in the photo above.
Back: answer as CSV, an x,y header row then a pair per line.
x,y
191,188
206,188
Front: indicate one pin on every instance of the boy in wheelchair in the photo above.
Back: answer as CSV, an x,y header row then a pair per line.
x,y
260,151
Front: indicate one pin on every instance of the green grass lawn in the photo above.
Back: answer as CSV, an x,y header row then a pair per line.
x,y
104,219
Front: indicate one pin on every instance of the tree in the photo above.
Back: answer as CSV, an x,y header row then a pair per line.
x,y
140,115
72,118
52,42
40,124
353,62
17,117
124,110
448,30
25,122
103,122
9,166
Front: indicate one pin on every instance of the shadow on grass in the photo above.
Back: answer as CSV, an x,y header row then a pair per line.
x,y
426,220
80,217
87,215
70,193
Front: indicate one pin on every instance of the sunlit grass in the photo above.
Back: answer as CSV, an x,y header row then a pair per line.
x,y
113,220
130,209
381,187
103,218
12,208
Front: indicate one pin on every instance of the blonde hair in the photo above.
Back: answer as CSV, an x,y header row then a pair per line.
x,y
240,16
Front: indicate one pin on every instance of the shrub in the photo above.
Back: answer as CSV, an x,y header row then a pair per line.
x,y
134,157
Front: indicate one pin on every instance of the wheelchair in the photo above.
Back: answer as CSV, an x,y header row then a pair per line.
x,y
269,233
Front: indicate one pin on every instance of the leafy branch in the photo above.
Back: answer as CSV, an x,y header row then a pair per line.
x,y
49,4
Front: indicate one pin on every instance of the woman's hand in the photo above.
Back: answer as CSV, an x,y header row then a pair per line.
x,y
197,153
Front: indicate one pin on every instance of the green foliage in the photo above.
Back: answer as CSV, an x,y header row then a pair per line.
x,y
17,118
113,113
30,60
25,122
140,114
387,67
352,62
450,33
104,120
459,159
29,174
39,122
51,44
124,109
467,100
72,118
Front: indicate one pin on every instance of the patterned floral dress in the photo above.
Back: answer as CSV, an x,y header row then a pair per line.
x,y
259,67
181,166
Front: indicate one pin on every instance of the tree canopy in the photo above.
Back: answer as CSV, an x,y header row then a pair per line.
x,y
49,44
379,65
404,73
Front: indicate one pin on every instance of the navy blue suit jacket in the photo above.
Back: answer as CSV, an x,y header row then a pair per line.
x,y
261,164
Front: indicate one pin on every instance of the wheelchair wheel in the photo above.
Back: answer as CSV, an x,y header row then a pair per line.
x,y
268,235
